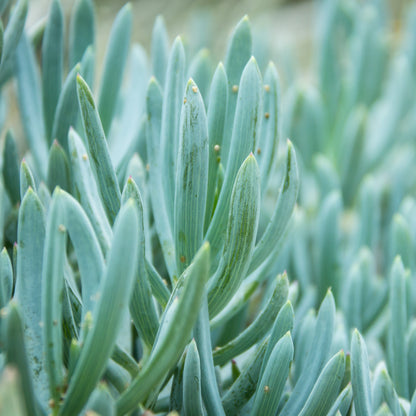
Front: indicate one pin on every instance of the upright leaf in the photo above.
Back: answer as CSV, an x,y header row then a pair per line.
x,y
98,151
191,178
52,64
114,63
240,236
28,292
169,135
243,141
108,312
81,30
52,296
160,50
173,337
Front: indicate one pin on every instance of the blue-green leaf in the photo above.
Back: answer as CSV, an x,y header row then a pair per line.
x,y
160,50
98,151
114,63
191,178
85,190
218,98
66,114
244,387
16,354
285,204
315,360
81,30
273,380
87,250
342,403
28,292
326,388
240,236
159,206
6,278
30,103
209,384
13,31
243,141
271,128
58,168
142,307
192,400
108,312
360,376
173,335
52,64
239,51
52,295
169,134
200,70
11,168
398,329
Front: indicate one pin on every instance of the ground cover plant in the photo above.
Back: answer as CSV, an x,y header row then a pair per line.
x,y
167,249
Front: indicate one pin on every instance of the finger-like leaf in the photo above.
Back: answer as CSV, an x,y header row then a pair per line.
x,y
174,337
398,329
191,178
200,70
11,168
210,392
6,278
342,403
66,114
218,98
81,30
159,207
315,360
270,387
26,179
142,307
384,391
58,168
240,236
239,51
243,141
52,295
282,324
89,255
98,151
360,376
285,204
17,355
245,385
30,103
192,400
326,388
13,31
108,312
169,135
114,63
52,64
86,190
271,127
28,292
160,50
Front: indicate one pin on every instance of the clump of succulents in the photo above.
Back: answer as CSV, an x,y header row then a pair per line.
x,y
147,229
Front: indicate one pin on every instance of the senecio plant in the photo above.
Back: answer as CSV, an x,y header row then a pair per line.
x,y
144,229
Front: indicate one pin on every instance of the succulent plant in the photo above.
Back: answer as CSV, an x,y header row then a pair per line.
x,y
148,227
